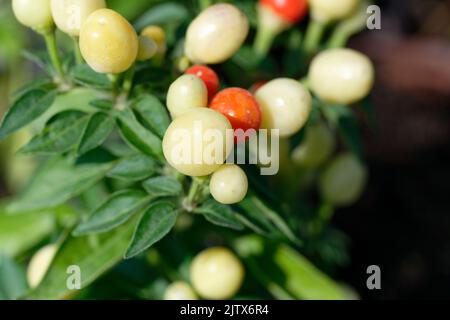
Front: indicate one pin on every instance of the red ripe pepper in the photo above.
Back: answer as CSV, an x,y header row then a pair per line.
x,y
240,107
209,77
291,11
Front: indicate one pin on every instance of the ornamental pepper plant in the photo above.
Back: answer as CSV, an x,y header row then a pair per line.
x,y
136,120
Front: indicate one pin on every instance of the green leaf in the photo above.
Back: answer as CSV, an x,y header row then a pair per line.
x,y
61,134
303,279
85,76
20,232
57,181
134,168
113,212
13,282
163,187
40,58
137,136
256,208
246,58
156,223
26,109
94,255
285,272
42,84
153,113
163,13
219,214
97,131
344,119
349,130
252,218
102,104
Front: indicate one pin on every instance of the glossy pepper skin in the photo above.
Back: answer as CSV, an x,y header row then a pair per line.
x,y
240,107
35,14
291,11
208,76
108,42
216,34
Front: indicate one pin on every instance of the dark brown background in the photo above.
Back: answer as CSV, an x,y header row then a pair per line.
x,y
402,223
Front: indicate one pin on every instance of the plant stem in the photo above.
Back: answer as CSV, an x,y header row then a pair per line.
x,y
78,57
196,193
203,4
338,39
128,80
314,34
50,41
263,41
114,78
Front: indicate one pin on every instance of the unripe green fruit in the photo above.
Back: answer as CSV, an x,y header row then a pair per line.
x,y
185,93
196,143
35,14
330,10
285,105
108,42
217,273
316,148
180,291
216,34
343,180
39,264
70,15
147,48
341,76
229,184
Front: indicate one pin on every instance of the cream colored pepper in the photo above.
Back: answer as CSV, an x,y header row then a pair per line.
x,y
108,42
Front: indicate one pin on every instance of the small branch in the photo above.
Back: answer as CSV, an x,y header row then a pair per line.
x,y
50,41
314,34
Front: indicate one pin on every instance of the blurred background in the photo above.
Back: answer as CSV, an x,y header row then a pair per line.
x,y
402,223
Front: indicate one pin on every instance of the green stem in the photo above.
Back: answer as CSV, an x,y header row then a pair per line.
x,y
114,78
76,47
50,41
305,82
128,80
314,34
193,191
203,4
263,41
338,39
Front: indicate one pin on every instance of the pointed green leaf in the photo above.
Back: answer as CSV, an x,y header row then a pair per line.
x,y
258,210
26,109
42,84
156,223
93,255
57,181
285,272
163,13
163,187
61,134
219,214
134,168
13,282
137,136
85,76
102,104
113,212
153,113
20,232
97,131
